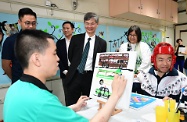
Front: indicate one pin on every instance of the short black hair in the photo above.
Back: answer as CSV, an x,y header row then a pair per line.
x,y
68,22
26,11
28,42
178,40
90,15
137,31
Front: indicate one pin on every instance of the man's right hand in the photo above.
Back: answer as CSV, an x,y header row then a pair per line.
x,y
65,72
118,85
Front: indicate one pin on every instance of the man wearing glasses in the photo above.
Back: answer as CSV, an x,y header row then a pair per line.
x,y
11,66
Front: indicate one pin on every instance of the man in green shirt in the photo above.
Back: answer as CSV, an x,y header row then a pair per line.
x,y
29,100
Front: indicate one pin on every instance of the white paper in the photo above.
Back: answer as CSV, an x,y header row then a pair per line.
x,y
181,49
106,66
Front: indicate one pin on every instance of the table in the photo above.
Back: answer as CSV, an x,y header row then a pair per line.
x,y
145,114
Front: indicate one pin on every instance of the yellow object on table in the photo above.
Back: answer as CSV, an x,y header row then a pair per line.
x,y
161,114
170,105
173,116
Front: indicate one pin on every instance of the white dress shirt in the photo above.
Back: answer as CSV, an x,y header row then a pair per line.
x,y
67,47
89,61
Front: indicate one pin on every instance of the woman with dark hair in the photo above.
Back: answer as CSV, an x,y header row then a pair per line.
x,y
134,36
143,61
180,52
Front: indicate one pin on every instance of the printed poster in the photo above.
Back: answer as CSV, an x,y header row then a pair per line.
x,y
107,65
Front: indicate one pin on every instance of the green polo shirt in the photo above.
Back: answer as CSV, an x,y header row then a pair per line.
x,y
31,101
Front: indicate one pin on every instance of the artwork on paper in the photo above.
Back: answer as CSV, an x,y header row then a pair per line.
x,y
139,101
107,65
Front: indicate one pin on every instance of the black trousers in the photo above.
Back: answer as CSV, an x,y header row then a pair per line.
x,y
65,88
80,85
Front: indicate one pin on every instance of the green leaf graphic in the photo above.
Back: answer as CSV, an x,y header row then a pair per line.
x,y
57,26
45,30
49,23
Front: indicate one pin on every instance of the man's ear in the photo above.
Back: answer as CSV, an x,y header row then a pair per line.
x,y
35,59
19,21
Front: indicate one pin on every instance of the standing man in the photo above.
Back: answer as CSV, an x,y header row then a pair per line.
x,y
62,50
10,64
82,54
63,46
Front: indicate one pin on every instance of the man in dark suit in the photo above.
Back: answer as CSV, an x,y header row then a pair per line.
x,y
78,82
62,50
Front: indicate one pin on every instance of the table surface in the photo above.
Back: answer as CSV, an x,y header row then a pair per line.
x,y
145,114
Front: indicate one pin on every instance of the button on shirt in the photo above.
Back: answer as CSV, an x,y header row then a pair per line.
x,y
89,61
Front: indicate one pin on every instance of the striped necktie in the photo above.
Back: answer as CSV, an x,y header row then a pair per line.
x,y
81,66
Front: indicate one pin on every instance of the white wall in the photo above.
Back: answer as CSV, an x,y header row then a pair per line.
x,y
101,7
65,12
182,19
170,35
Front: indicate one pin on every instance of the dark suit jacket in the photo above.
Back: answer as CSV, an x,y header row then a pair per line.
x,y
62,54
75,53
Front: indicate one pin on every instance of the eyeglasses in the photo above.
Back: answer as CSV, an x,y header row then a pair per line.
x,y
132,35
91,24
28,23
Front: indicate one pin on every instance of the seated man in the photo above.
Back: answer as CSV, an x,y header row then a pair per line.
x,y
162,80
29,100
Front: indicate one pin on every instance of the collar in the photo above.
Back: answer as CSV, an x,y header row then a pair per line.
x,y
173,72
33,80
87,36
67,40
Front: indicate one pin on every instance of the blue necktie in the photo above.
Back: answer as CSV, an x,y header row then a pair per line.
x,y
81,66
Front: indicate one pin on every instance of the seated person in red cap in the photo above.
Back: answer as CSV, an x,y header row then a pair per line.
x,y
163,80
